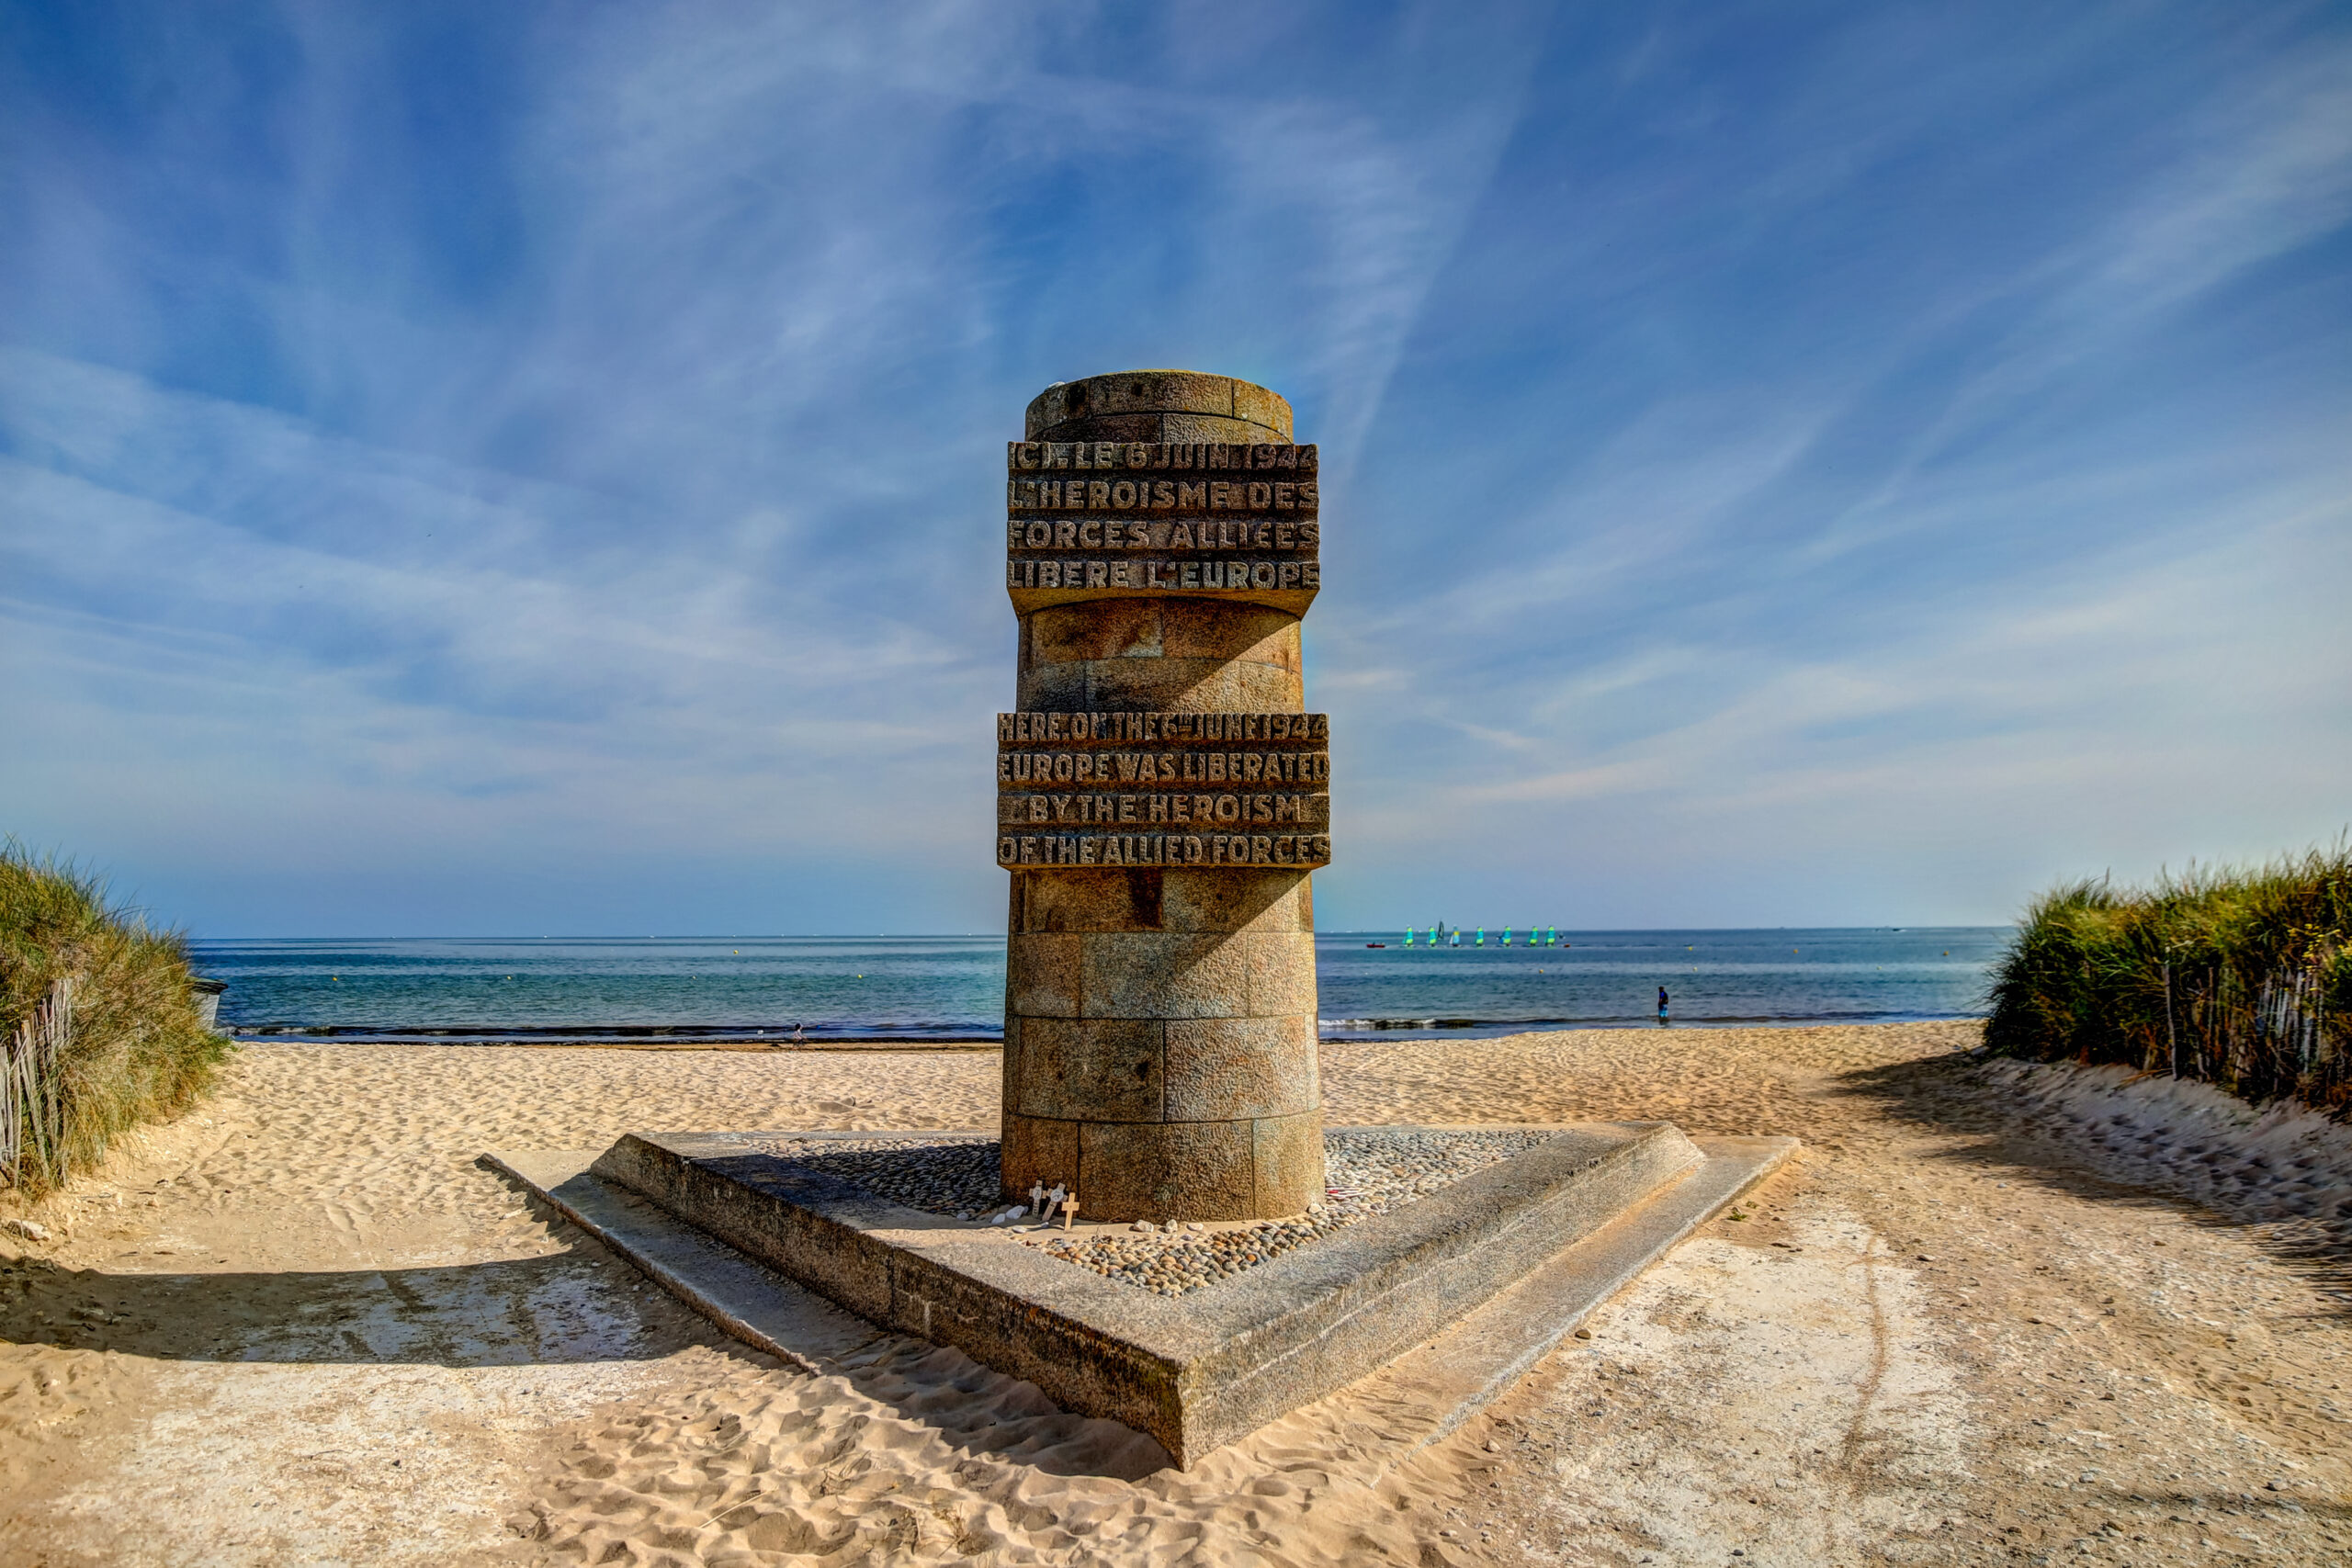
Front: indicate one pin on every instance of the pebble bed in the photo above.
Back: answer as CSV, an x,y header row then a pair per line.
x,y
939,1176
1366,1173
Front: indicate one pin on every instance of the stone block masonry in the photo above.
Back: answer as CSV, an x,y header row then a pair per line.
x,y
1162,795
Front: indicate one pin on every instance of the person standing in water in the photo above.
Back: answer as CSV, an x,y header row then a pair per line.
x,y
1661,1004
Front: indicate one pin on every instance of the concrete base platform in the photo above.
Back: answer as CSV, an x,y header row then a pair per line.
x,y
1458,1292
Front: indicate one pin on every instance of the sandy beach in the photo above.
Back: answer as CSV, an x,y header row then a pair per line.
x,y
1987,1316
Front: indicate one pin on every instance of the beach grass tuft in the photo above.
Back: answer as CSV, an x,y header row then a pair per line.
x,y
116,997
2240,977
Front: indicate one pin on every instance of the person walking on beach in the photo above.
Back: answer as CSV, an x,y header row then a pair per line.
x,y
1661,1004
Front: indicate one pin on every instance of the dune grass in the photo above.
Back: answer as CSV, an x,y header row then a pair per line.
x,y
2239,976
136,1050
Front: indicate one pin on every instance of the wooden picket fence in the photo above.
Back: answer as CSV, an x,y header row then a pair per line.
x,y
2265,1035
32,1091
2239,978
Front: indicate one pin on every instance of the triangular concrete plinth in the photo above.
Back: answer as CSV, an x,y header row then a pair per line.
x,y
1462,1290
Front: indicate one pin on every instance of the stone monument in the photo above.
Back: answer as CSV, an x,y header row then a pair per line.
x,y
1162,801
1162,798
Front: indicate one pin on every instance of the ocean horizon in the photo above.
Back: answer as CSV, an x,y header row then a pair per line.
x,y
1371,984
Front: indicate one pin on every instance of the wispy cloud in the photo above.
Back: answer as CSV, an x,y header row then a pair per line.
x,y
494,471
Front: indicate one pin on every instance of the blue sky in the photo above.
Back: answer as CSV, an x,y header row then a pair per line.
x,y
530,469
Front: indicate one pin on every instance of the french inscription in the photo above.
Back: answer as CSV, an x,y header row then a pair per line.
x,y
1227,519
1095,456
1274,496
1148,576
1164,555
1116,533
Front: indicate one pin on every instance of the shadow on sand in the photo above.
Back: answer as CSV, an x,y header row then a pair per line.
x,y
1948,1096
580,1305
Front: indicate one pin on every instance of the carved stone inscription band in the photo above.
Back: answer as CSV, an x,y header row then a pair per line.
x,y
1161,798
1101,519
1164,789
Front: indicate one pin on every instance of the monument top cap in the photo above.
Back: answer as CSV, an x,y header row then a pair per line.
x,y
1079,411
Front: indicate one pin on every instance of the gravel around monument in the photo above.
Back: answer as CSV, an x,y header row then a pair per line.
x,y
1970,1325
1369,1172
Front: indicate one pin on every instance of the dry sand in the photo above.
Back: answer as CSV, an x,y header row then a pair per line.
x,y
303,1325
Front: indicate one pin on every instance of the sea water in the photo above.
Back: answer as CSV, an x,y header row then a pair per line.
x,y
1370,984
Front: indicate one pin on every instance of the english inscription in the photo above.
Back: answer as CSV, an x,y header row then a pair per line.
x,y
1125,728
1039,850
1164,789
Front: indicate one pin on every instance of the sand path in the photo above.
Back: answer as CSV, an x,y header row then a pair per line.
x,y
303,1325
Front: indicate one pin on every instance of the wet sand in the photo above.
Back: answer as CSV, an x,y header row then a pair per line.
x,y
1987,1316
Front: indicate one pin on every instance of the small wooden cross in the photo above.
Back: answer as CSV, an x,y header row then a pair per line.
x,y
1069,1210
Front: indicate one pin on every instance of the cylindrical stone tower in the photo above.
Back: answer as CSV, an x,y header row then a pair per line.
x,y
1162,796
